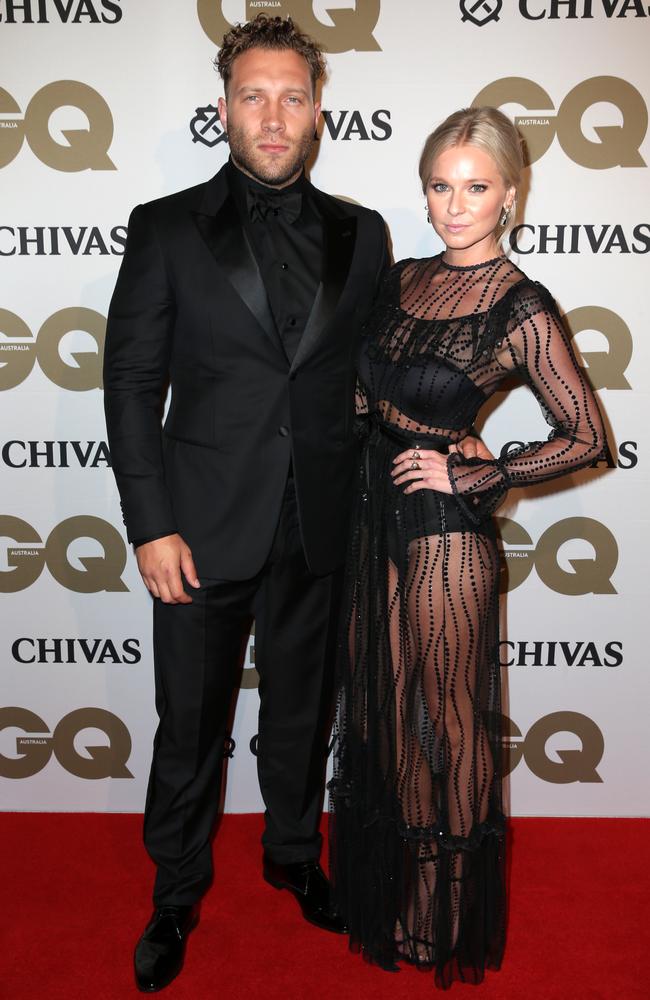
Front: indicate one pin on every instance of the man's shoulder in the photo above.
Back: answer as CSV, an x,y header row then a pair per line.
x,y
341,205
178,201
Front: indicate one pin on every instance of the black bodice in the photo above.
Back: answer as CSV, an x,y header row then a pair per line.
x,y
440,341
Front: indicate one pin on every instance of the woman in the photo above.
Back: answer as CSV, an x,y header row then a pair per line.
x,y
418,832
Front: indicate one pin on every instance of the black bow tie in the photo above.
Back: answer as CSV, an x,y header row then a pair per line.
x,y
276,204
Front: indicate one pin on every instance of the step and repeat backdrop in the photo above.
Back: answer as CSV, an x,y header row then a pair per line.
x,y
108,103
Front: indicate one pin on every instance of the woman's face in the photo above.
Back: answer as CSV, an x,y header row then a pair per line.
x,y
466,194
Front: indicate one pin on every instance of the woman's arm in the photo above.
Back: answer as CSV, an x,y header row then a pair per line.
x,y
536,346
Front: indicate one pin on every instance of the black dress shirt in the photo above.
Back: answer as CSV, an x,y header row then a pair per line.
x,y
286,234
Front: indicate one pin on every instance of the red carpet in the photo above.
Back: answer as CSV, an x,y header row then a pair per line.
x,y
75,896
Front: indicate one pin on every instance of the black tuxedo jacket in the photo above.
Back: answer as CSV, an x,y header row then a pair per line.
x,y
190,308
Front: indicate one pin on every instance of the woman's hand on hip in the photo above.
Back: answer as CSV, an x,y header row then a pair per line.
x,y
421,469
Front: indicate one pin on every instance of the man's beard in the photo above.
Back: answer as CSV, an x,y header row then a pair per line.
x,y
249,158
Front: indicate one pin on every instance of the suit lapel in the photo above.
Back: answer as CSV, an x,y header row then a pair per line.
x,y
339,239
221,229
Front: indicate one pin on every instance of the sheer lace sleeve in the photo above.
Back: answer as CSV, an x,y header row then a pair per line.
x,y
534,344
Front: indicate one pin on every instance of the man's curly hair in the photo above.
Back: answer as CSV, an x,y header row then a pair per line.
x,y
265,32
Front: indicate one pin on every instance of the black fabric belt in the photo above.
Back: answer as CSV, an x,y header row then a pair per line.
x,y
377,428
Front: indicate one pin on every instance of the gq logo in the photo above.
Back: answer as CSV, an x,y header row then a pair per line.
x,y
83,149
572,765
352,27
34,750
606,368
618,145
18,353
587,576
25,559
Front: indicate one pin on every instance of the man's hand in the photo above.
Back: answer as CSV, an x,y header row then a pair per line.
x,y
161,563
471,447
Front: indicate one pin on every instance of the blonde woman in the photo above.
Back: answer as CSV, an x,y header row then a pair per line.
x,y
418,831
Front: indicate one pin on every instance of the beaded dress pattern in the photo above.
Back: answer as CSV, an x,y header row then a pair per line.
x,y
417,823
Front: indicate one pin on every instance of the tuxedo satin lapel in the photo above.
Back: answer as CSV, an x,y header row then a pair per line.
x,y
226,240
338,247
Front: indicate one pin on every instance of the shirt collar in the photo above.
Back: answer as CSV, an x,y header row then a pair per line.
x,y
240,183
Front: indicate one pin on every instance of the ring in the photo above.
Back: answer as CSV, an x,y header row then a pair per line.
x,y
415,455
415,465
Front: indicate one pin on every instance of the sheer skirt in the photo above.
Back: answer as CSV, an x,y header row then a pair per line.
x,y
417,824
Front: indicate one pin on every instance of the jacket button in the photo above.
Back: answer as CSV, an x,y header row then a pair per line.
x,y
283,431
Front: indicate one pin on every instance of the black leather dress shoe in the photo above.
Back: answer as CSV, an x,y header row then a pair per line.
x,y
160,951
307,881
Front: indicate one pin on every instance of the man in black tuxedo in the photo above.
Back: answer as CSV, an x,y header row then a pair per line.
x,y
246,293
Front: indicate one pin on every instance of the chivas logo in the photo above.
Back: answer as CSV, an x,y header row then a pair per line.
x,y
480,12
624,457
343,125
576,238
348,125
17,454
535,10
41,650
206,126
558,652
68,11
53,241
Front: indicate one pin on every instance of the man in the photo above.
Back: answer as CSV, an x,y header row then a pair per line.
x,y
246,293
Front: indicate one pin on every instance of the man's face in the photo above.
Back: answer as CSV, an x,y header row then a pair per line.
x,y
270,115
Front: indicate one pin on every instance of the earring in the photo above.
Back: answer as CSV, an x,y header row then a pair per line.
x,y
428,216
505,215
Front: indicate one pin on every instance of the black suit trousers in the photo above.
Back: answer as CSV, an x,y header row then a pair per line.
x,y
197,654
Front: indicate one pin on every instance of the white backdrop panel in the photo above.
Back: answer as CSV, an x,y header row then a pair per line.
x,y
77,632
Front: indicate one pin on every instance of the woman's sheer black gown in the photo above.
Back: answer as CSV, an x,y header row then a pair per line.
x,y
417,824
